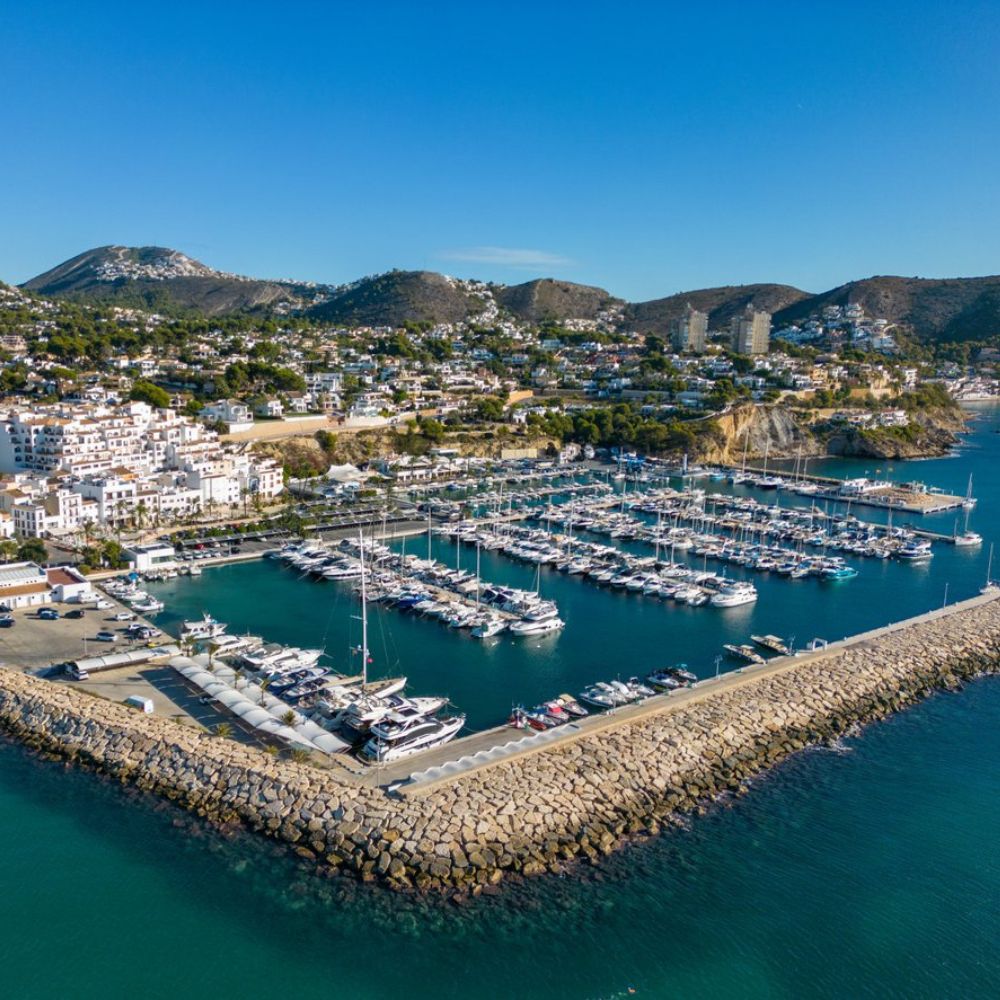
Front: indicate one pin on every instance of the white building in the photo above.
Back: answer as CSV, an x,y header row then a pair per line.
x,y
146,558
232,412
119,466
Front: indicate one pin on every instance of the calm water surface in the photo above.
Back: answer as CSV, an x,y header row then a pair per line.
x,y
868,872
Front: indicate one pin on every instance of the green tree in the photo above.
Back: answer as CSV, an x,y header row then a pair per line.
x,y
148,392
32,550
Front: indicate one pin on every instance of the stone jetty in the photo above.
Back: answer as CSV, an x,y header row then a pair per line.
x,y
572,800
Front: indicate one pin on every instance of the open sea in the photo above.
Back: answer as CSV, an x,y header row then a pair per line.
x,y
868,870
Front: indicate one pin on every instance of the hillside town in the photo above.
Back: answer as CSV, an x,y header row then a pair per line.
x,y
115,416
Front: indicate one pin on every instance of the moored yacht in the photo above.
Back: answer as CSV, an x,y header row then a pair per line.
x,y
489,628
734,594
205,628
392,740
541,627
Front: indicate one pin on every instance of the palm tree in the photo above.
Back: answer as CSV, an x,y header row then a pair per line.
x,y
264,685
272,750
141,511
224,729
213,648
288,718
299,755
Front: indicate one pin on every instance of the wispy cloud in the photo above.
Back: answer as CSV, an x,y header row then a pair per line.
x,y
506,257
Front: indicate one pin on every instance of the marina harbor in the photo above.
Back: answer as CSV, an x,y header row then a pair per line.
x,y
489,616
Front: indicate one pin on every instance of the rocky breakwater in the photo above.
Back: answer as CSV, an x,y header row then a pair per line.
x,y
576,799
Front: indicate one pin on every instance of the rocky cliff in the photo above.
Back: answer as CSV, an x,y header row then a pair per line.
x,y
752,427
930,433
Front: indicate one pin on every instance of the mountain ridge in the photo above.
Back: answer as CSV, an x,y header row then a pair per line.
x,y
930,308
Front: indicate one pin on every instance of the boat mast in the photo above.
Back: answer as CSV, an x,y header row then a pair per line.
x,y
428,533
989,565
364,617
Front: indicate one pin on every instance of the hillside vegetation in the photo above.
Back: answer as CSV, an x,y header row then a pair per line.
x,y
929,309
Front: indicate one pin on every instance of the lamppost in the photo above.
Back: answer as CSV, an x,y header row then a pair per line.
x,y
718,664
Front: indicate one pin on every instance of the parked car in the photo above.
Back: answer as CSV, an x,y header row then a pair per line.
x,y
75,613
5,609
48,614
6,621
103,605
125,616
105,636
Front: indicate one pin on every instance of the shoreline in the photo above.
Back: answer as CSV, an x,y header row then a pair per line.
x,y
571,799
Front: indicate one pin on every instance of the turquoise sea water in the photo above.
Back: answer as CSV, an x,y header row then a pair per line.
x,y
869,872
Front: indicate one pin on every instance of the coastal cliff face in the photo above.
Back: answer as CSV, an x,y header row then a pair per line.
x,y
576,798
753,426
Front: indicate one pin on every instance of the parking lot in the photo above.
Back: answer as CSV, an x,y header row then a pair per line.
x,y
162,685
33,642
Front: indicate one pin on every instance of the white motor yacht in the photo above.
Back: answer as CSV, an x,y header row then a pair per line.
x,y
489,628
735,594
205,628
542,627
391,742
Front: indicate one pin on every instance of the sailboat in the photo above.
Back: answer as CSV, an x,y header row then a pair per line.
x,y
970,501
967,538
990,587
767,482
741,477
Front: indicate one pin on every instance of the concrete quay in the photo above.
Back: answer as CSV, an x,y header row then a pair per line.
x,y
546,803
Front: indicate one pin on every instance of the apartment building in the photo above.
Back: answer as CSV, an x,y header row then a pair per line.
x,y
116,466
689,332
751,331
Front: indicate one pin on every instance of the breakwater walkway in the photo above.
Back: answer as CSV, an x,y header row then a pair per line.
x,y
538,807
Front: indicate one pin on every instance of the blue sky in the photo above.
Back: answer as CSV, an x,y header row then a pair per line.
x,y
646,148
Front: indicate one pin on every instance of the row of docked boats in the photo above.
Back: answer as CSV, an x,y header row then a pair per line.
x,y
609,566
739,526
456,597
603,696
374,717
129,592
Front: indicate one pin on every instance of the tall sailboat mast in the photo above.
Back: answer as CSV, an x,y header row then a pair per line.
x,y
364,616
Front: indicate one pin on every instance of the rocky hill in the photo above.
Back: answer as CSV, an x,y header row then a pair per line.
x,y
545,298
397,297
932,308
721,304
773,430
157,277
